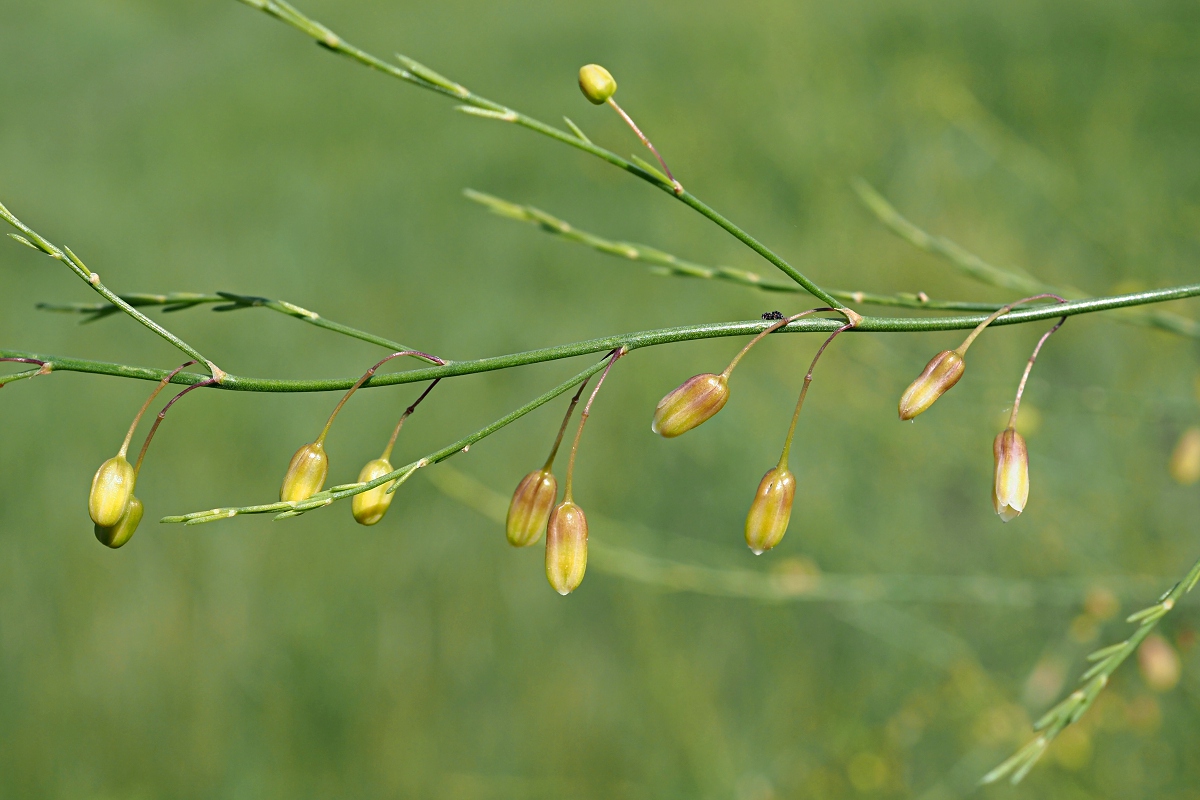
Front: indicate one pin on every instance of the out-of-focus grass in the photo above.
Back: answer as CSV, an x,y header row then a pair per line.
x,y
203,147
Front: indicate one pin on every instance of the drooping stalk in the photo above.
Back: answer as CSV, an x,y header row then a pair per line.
x,y
1012,418
387,451
787,443
137,467
366,376
563,428
962,348
133,426
678,187
583,418
768,330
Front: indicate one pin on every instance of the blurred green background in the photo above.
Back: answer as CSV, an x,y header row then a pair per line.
x,y
203,146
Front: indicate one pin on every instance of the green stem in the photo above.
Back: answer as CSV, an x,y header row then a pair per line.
x,y
426,78
341,492
178,301
1107,659
678,267
630,341
35,240
20,376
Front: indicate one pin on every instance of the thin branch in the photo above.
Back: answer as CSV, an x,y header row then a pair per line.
x,y
1107,659
31,238
419,75
975,267
630,341
664,263
179,301
329,496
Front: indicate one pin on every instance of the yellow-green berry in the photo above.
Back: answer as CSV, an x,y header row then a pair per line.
x,y
529,510
305,474
112,486
370,506
596,83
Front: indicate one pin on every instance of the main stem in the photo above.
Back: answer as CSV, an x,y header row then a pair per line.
x,y
630,341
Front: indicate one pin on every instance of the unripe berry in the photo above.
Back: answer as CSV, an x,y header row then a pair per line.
x,y
596,83
771,510
117,535
530,508
112,486
1159,663
689,405
305,474
941,373
566,547
370,506
1010,490
1185,461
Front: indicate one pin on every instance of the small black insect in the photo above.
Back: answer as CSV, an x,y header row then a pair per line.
x,y
772,315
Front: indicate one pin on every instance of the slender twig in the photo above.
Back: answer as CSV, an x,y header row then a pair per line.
x,y
420,75
20,376
33,239
42,369
667,264
179,301
397,476
1093,681
630,341
975,267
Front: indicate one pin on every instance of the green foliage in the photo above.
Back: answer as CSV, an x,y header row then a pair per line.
x,y
189,147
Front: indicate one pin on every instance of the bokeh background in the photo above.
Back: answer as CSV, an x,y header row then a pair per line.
x,y
203,146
